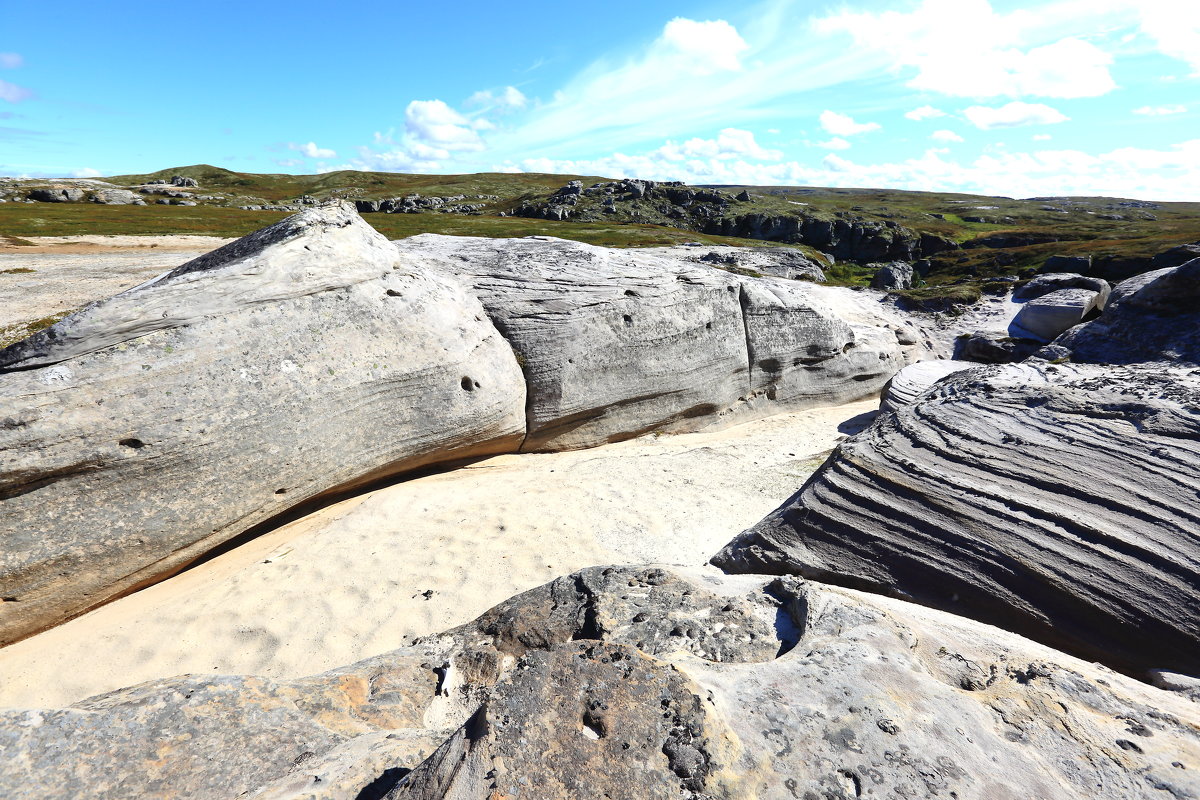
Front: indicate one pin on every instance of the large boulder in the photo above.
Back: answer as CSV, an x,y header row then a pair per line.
x,y
1053,500
1151,317
1177,256
307,358
638,682
117,197
1057,264
1048,316
1045,284
615,343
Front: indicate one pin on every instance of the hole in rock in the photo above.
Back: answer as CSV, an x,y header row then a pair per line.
x,y
136,444
467,384
628,319
281,491
393,293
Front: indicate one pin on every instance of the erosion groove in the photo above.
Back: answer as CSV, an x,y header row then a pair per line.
x,y
1057,501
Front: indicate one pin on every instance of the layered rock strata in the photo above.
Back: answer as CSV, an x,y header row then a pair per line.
x,y
1056,501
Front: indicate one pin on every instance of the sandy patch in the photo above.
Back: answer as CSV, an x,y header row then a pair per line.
x,y
365,575
65,273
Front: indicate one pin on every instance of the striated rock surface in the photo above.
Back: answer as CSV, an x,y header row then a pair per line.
x,y
1151,317
639,682
146,429
914,380
897,275
617,343
1056,501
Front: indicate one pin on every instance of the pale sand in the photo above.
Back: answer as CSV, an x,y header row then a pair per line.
x,y
348,581
71,271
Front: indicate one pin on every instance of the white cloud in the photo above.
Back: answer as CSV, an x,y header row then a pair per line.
x,y
1175,28
311,150
1169,174
510,98
964,48
704,47
844,125
1012,115
13,93
289,162
924,112
945,136
1042,137
86,172
10,60
836,143
436,124
1160,111
730,143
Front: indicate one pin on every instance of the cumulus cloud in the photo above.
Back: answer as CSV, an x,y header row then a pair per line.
x,y
704,47
13,93
1160,111
510,98
435,124
924,112
10,60
1012,115
844,125
945,136
86,172
965,48
311,150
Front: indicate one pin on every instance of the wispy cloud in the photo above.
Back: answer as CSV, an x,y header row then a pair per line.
x,y
11,60
1160,111
1012,115
13,93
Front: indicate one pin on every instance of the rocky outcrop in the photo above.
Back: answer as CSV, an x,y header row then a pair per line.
x,y
56,194
897,275
983,347
1059,264
1152,317
617,343
1056,501
777,262
117,197
1176,256
307,358
638,682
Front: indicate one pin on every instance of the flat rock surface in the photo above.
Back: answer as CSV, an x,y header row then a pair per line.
x,y
914,380
1058,501
366,574
1048,316
643,682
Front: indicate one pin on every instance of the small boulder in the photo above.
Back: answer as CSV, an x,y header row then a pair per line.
x,y
1047,283
179,180
1050,315
896,275
116,197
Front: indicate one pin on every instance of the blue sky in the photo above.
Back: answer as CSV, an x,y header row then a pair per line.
x,y
1011,98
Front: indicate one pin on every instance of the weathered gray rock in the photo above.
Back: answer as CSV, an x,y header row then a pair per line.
x,y
306,358
982,347
180,180
1176,256
914,380
597,685
1151,317
897,275
1056,501
56,194
615,343
778,262
1048,316
117,197
1045,284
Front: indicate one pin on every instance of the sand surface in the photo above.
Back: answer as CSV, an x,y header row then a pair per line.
x,y
71,271
365,575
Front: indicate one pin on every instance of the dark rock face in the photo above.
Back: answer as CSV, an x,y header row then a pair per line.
x,y
1056,501
987,348
1078,264
897,275
1176,256
596,686
1154,316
